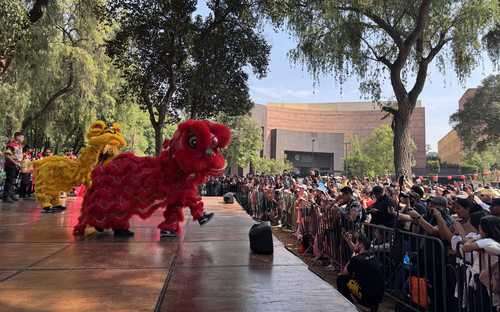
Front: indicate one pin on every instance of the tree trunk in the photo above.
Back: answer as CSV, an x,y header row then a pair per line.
x,y
158,139
402,143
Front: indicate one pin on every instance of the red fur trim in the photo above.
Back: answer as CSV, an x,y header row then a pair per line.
x,y
130,185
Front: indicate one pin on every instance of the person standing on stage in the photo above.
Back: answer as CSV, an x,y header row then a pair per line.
x,y
13,159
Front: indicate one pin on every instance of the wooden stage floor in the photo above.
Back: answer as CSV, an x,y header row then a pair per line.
x,y
210,268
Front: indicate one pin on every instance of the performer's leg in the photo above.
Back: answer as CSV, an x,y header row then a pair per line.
x,y
121,228
56,203
196,208
44,199
170,226
197,211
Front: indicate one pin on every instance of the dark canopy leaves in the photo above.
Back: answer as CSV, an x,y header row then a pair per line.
x,y
365,38
178,61
478,124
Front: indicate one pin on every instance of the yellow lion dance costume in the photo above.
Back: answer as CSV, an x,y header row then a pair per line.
x,y
56,174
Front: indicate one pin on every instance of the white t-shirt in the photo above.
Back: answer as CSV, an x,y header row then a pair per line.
x,y
491,246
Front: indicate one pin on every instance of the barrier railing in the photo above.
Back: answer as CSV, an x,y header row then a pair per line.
x,y
421,274
414,267
478,280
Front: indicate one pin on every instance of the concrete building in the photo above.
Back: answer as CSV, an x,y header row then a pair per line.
x,y
319,135
450,147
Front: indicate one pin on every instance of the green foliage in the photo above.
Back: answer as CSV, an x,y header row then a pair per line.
x,y
485,160
271,166
246,142
357,164
389,39
433,165
177,62
356,38
61,79
478,124
492,42
13,25
373,156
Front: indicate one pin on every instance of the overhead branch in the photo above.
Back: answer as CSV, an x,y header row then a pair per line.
x,y
435,50
423,12
389,109
380,58
423,68
389,29
52,99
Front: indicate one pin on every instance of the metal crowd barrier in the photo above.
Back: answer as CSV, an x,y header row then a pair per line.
x,y
420,273
478,281
414,266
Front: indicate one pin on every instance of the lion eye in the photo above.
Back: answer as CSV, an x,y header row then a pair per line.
x,y
192,141
215,141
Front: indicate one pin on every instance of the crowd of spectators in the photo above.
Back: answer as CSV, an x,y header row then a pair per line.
x,y
16,178
451,232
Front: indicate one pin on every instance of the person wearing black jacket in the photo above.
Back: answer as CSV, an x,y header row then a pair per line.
x,y
363,281
382,210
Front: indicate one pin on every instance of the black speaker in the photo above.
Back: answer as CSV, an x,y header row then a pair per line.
x,y
228,198
261,238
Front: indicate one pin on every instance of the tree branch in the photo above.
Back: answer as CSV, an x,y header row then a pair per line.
x,y
52,99
390,30
419,27
381,58
423,67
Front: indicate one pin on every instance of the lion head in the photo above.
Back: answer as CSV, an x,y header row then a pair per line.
x,y
197,146
106,136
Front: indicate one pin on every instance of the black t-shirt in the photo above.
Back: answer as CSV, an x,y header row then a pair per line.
x,y
366,269
383,216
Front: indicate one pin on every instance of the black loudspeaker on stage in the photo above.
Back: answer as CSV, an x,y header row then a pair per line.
x,y
228,198
261,238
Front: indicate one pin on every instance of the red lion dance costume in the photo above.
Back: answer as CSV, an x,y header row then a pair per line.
x,y
130,185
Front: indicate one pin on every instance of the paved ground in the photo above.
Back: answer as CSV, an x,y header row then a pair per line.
x,y
44,268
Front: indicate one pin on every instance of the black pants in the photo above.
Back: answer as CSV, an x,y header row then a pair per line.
x,y
342,287
26,183
11,173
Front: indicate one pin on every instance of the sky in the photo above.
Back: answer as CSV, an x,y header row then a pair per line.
x,y
287,82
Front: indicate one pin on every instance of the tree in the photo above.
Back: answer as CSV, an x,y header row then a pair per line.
x,y
357,163
478,124
372,156
174,63
61,79
266,166
246,142
433,163
484,161
395,39
15,21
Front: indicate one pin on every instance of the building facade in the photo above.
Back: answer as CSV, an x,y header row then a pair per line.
x,y
319,135
450,147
